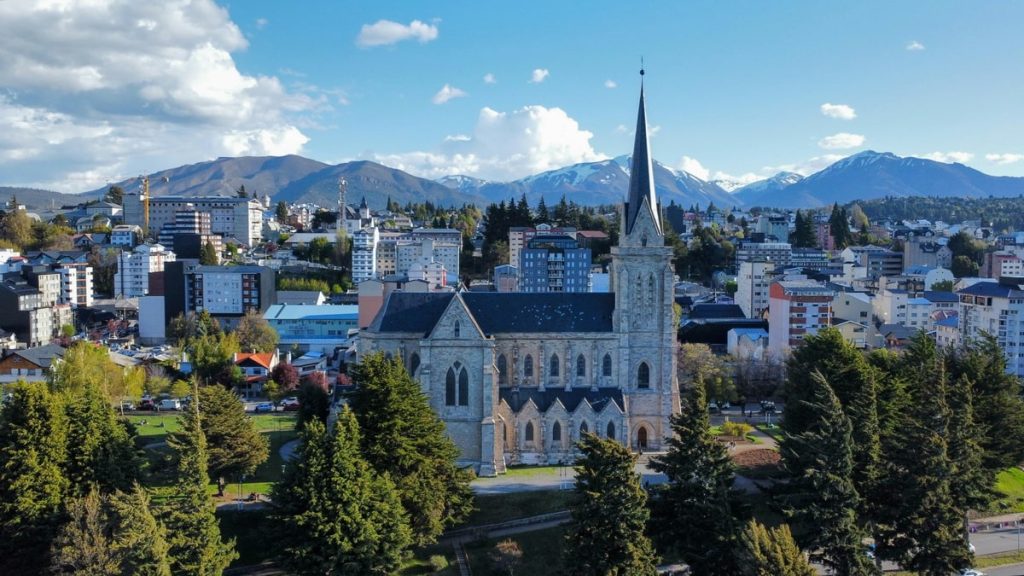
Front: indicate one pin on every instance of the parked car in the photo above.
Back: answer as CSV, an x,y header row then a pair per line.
x,y
170,404
290,404
264,407
127,406
147,403
971,572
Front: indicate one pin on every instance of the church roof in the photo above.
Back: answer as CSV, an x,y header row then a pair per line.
x,y
500,312
545,312
571,399
641,175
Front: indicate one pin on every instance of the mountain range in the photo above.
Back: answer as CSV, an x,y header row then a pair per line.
x,y
296,179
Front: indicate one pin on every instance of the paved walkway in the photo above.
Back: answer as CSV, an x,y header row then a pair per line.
x,y
288,449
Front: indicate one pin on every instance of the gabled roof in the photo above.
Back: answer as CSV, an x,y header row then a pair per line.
x,y
42,356
411,312
544,399
263,360
938,296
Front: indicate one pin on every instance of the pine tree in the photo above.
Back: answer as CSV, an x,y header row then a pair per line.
x,y
334,514
208,255
694,512
101,452
771,552
196,545
609,514
821,497
33,440
403,438
83,544
543,216
138,540
234,444
971,485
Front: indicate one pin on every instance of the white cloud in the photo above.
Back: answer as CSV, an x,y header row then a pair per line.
x,y
490,79
840,111
693,166
653,131
447,93
385,32
457,138
949,157
621,129
610,84
261,23
737,181
504,146
841,141
1006,158
163,90
539,75
914,46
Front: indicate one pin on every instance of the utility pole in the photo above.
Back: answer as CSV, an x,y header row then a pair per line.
x,y
342,186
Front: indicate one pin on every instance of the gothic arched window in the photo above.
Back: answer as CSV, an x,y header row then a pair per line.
x,y
414,363
556,432
581,366
528,366
583,429
463,387
643,375
606,365
611,430
457,329
528,432
553,371
502,369
449,388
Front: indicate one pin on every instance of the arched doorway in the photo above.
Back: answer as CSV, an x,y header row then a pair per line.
x,y
641,438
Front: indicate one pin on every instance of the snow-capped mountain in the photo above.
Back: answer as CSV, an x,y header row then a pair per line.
x,y
728,185
753,193
871,174
461,182
603,182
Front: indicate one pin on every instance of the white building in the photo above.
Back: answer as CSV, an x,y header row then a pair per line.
x,y
125,235
230,217
890,306
796,308
76,284
753,283
995,308
364,254
132,277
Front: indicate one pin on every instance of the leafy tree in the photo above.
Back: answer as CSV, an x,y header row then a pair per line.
x,y
85,363
235,446
33,436
208,256
964,267
286,375
821,495
213,357
255,334
334,514
115,195
101,452
694,512
281,212
16,228
404,438
609,514
314,404
771,552
943,286
196,545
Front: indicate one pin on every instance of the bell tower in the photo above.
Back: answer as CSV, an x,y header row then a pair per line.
x,y
642,278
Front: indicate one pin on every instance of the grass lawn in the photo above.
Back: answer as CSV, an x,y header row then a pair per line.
x,y
420,561
775,432
159,425
524,471
1010,485
267,473
493,508
542,552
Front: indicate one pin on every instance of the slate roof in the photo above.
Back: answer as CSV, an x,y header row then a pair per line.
x,y
715,311
498,312
411,312
990,289
939,296
517,398
42,356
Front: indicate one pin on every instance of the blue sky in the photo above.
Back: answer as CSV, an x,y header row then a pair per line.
x,y
736,90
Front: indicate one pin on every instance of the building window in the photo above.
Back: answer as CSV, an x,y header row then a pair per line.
x,y
556,432
528,366
606,365
463,388
457,329
553,371
502,369
528,433
643,376
583,429
449,388
611,430
414,363
581,366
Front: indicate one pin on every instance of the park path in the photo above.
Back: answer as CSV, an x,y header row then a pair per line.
x,y
288,449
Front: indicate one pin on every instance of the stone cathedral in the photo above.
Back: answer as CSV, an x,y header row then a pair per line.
x,y
518,378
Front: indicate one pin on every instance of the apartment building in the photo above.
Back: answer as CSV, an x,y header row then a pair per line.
x,y
518,236
230,217
554,263
796,308
753,283
133,268
997,309
778,253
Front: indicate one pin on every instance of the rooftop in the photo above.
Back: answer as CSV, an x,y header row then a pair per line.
x,y
311,312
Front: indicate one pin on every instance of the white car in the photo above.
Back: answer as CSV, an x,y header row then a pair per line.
x,y
971,572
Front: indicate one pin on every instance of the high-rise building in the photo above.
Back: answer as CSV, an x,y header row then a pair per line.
x,y
752,285
226,292
132,277
364,254
230,217
996,309
796,308
554,263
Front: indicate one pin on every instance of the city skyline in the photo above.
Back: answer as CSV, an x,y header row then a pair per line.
x,y
93,93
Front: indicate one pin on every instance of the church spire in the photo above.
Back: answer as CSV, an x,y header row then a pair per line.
x,y
641,177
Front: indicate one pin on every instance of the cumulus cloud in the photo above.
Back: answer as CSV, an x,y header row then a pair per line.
x,y
610,84
914,46
446,93
1005,158
949,157
841,141
165,89
840,111
693,166
504,146
385,32
490,79
539,75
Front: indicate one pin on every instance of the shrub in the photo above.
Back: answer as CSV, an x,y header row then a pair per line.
x,y
738,429
438,563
